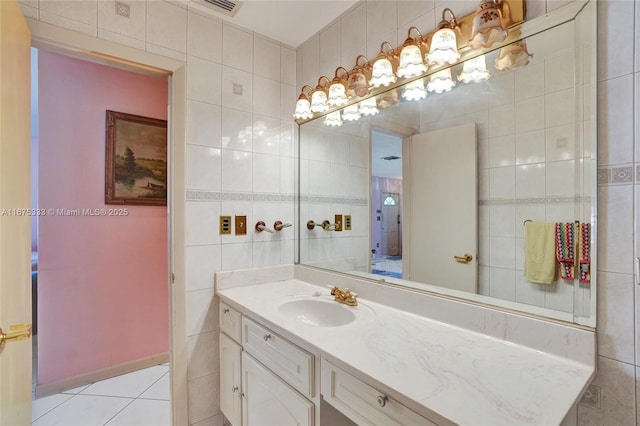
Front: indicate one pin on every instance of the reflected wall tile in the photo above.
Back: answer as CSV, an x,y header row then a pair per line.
x,y
203,80
164,51
237,168
528,292
560,143
167,25
615,120
502,151
483,280
203,168
266,173
237,130
502,221
358,182
559,108
559,72
502,283
202,353
503,89
530,181
502,182
502,253
204,397
287,176
201,223
501,121
337,180
615,29
560,178
266,97
132,26
237,48
559,296
530,147
204,37
535,212
201,264
615,229
202,311
237,89
615,316
237,256
529,81
529,115
203,124
616,382
484,191
288,95
266,58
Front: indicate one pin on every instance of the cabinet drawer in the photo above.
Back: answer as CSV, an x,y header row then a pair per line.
x,y
293,364
230,322
363,403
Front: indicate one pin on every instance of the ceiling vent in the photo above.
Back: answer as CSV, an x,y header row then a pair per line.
x,y
226,7
391,157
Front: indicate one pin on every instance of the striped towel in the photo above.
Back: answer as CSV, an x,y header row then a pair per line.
x,y
585,252
564,250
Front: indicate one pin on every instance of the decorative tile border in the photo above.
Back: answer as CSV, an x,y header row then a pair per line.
x,y
540,200
238,196
616,175
354,201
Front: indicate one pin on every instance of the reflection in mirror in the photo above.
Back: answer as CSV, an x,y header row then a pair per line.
x,y
435,194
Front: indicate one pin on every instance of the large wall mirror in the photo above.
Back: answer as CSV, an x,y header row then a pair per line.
x,y
435,194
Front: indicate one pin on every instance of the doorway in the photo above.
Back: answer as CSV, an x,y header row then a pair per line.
x,y
101,270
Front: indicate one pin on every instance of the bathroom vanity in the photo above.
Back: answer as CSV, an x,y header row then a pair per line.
x,y
290,354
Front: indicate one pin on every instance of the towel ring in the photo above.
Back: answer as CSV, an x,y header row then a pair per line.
x,y
528,220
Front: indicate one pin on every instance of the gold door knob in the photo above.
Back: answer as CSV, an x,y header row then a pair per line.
x,y
16,332
464,259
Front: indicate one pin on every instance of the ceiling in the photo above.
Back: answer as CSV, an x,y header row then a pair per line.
x,y
291,22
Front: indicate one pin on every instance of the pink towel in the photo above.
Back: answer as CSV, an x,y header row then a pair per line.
x,y
565,250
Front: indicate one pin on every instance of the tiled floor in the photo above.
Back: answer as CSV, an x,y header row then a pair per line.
x,y
140,398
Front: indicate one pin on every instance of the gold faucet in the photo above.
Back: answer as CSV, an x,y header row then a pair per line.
x,y
344,296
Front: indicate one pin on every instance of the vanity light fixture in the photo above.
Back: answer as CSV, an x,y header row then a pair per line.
x,y
351,113
382,73
513,56
414,91
441,81
319,96
487,25
444,47
474,70
303,106
358,80
333,119
411,63
338,90
369,106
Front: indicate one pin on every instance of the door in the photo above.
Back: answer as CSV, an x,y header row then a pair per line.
x,y
440,204
15,223
391,224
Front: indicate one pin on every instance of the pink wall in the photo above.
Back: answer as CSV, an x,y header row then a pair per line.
x,y
102,285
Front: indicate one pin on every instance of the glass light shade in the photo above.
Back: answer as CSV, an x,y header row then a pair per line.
x,y
319,101
358,85
487,26
513,56
414,91
351,113
303,109
411,63
337,95
441,81
369,107
333,119
444,49
382,74
474,70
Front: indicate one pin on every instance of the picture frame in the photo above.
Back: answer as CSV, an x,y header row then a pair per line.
x,y
136,160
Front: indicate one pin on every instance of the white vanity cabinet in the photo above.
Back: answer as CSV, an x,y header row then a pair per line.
x,y
264,378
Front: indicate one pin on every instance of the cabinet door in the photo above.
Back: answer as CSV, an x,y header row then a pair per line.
x,y
230,380
268,401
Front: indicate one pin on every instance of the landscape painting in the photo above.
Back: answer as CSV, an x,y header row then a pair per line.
x,y
136,160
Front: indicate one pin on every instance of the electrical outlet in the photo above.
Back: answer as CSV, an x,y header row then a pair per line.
x,y
338,222
241,225
347,222
225,225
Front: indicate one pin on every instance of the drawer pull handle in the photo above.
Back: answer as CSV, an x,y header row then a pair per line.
x,y
266,337
226,310
382,400
234,389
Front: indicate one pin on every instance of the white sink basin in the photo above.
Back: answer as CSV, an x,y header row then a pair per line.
x,y
318,312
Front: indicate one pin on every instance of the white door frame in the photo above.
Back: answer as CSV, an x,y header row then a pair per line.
x,y
91,48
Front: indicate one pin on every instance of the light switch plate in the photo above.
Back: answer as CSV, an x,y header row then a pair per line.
x,y
225,225
338,222
347,222
241,225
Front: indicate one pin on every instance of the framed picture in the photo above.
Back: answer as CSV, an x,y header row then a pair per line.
x,y
136,160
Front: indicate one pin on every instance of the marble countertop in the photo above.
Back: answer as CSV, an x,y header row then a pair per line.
x,y
455,374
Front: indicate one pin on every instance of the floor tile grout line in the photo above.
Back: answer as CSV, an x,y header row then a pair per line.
x,y
152,384
53,408
120,411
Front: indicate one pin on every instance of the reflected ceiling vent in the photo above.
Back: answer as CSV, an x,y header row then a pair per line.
x,y
226,7
391,157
